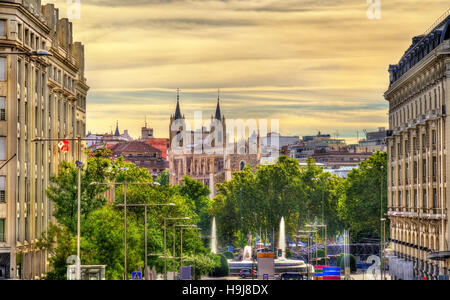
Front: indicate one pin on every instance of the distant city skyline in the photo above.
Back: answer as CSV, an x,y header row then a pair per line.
x,y
315,65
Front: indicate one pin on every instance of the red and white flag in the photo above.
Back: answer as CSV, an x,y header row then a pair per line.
x,y
63,146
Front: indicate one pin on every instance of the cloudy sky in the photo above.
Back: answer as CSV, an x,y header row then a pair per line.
x,y
312,64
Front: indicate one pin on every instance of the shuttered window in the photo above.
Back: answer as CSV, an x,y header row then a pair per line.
x,y
2,108
2,231
2,189
2,148
2,27
2,68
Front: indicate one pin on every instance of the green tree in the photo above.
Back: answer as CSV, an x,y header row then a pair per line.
x,y
63,190
103,242
365,190
204,264
163,178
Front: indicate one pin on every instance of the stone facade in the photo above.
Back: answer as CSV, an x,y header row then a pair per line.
x,y
45,97
208,168
418,144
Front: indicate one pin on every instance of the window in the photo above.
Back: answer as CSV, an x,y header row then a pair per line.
x,y
2,108
2,68
425,199
2,231
2,148
2,27
19,32
435,198
27,37
2,189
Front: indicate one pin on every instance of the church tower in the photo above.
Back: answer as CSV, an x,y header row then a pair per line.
x,y
177,116
218,117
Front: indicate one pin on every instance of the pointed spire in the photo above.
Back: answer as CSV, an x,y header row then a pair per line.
x,y
178,110
117,129
218,112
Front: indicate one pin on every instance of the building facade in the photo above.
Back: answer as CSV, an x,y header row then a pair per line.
x,y
142,155
41,97
207,168
418,144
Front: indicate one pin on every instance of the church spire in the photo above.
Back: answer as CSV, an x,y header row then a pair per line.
x,y
178,110
218,112
117,129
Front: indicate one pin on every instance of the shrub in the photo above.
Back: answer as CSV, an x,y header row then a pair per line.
x,y
222,269
288,253
319,254
228,255
341,262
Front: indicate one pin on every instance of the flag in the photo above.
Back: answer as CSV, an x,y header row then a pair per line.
x,y
63,146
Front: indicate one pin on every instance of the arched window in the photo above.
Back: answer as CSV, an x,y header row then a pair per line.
x,y
242,165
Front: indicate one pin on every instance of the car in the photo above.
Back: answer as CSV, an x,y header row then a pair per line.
x,y
291,276
247,273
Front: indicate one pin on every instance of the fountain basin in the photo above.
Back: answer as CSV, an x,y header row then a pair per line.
x,y
281,266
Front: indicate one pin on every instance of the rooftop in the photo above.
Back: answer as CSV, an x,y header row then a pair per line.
x,y
134,146
421,46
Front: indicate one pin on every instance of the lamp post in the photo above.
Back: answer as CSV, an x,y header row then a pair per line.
x,y
125,185
79,165
383,240
325,240
146,205
183,227
323,205
165,241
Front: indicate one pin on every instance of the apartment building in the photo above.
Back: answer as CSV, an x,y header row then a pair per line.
x,y
40,97
418,145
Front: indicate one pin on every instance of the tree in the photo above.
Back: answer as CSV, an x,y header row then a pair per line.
x,y
341,262
197,197
103,242
365,190
163,178
60,244
63,190
222,269
204,264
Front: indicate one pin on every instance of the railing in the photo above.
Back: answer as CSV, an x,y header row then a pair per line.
x,y
429,30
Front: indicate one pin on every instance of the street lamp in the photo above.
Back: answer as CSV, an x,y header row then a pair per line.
x,y
182,227
145,221
323,206
165,241
125,184
326,242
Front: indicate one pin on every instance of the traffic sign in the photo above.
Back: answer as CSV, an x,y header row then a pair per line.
x,y
136,276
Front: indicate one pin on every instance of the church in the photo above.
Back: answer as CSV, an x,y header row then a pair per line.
x,y
204,166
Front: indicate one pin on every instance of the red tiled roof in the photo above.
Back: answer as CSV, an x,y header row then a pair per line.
x,y
134,146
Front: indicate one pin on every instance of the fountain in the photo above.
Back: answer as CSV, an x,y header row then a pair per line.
x,y
214,236
282,240
281,264
247,254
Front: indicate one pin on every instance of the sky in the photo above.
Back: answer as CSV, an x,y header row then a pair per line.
x,y
315,65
